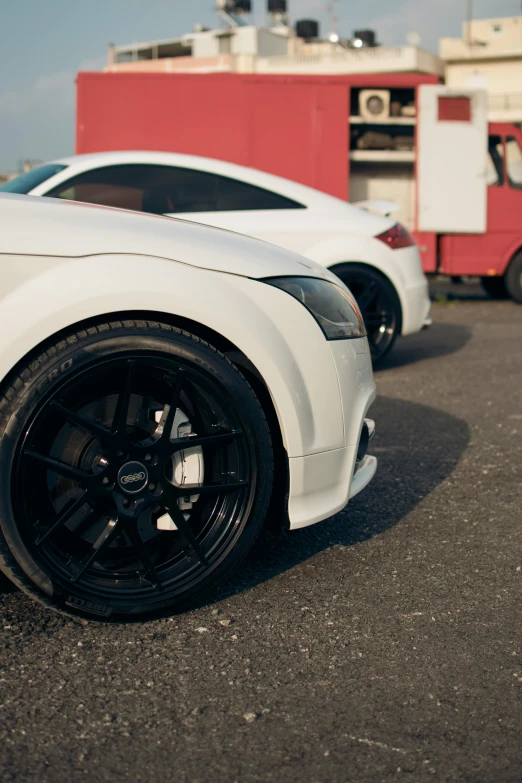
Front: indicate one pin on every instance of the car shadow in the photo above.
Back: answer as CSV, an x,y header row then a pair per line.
x,y
440,339
6,586
418,447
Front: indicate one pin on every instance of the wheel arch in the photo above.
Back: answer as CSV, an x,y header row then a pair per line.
x,y
226,347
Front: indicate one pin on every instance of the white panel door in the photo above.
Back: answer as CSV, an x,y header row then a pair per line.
x,y
452,143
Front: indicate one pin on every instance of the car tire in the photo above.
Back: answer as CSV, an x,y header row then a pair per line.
x,y
379,304
495,287
513,278
96,519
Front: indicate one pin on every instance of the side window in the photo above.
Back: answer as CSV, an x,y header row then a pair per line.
x,y
495,170
188,190
146,188
514,162
110,186
234,195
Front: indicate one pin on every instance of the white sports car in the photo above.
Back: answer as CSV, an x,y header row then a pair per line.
x,y
372,254
164,388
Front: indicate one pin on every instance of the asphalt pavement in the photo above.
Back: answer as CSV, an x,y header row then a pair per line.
x,y
383,644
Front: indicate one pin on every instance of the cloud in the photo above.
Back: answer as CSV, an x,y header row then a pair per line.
x,y
431,20
55,89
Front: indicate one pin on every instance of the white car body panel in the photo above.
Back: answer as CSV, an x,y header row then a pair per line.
x,y
321,390
65,228
329,230
378,206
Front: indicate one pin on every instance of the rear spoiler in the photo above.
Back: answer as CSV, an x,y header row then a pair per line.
x,y
384,208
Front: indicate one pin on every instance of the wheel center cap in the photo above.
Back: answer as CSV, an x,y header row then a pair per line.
x,y
133,477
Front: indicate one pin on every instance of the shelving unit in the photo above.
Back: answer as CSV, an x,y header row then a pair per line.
x,y
356,120
383,156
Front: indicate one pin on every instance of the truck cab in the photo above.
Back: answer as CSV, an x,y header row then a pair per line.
x,y
493,254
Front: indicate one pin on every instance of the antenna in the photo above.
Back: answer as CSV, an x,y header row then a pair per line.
x,y
469,19
232,11
334,21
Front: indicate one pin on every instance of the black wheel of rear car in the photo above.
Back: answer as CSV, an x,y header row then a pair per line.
x,y
136,471
513,278
379,305
495,287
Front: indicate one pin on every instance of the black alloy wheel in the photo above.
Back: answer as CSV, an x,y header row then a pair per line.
x,y
379,305
136,471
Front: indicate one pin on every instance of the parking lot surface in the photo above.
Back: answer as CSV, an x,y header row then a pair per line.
x,y
383,644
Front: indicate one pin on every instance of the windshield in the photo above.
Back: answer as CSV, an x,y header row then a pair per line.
x,y
31,179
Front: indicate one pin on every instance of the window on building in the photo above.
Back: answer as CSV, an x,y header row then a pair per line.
x,y
167,189
514,162
454,108
497,28
495,167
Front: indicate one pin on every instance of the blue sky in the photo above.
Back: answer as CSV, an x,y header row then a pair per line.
x,y
43,43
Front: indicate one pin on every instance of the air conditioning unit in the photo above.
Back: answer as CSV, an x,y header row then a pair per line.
x,y
374,105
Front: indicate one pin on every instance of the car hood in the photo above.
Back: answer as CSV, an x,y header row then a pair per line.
x,y
36,226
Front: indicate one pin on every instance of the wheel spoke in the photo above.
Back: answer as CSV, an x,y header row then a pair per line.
x,y
64,517
141,550
183,526
217,439
100,545
67,471
167,420
121,413
95,429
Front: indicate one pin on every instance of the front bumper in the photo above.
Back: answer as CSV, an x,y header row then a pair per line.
x,y
322,484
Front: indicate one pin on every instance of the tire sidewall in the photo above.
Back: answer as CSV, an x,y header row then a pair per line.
x,y
513,278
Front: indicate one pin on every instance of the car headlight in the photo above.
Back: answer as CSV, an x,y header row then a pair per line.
x,y
333,307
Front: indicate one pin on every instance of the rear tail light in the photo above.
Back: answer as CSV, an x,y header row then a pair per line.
x,y
396,237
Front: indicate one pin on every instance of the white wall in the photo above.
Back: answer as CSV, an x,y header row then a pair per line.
x,y
502,78
205,44
272,44
391,182
501,34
